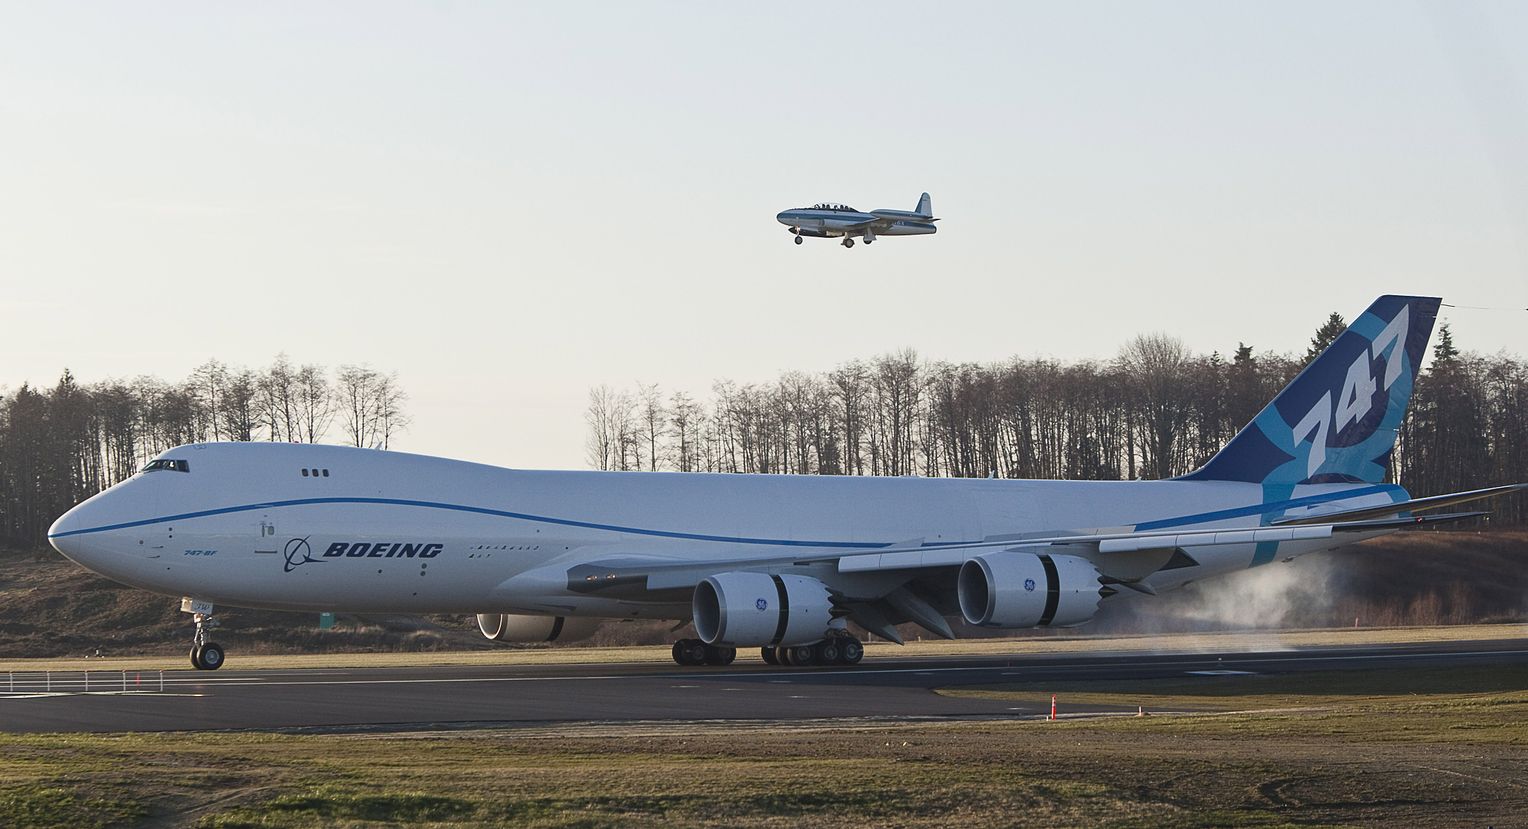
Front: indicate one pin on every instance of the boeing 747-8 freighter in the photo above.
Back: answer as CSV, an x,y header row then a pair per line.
x,y
781,563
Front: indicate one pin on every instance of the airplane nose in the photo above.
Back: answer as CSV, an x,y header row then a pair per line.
x,y
78,534
64,535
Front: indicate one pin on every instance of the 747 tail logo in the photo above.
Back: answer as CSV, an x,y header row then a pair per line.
x,y
1358,391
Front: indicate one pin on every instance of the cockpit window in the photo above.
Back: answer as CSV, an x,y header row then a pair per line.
x,y
832,206
167,465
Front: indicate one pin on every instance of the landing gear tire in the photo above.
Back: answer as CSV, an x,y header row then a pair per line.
x,y
801,655
690,652
850,651
720,656
848,243
826,652
771,656
798,240
205,655
208,657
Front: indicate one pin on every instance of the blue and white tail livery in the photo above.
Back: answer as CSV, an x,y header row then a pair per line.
x,y
1337,421
784,563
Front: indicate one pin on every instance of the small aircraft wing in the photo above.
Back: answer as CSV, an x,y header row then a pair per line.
x,y
872,223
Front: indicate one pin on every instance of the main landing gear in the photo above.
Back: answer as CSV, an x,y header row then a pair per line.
x,y
689,652
848,243
837,650
205,655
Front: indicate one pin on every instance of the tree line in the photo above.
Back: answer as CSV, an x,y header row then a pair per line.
x,y
1153,411
62,444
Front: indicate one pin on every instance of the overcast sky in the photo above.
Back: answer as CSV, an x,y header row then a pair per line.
x,y
510,203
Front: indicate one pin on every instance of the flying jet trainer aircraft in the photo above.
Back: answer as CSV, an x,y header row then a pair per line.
x,y
824,221
783,563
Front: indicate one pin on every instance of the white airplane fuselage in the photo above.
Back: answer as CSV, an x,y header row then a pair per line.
x,y
326,528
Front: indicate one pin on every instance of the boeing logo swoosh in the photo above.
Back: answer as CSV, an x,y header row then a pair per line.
x,y
297,554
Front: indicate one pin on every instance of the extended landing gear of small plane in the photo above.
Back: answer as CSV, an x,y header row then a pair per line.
x,y
205,655
690,652
798,240
848,243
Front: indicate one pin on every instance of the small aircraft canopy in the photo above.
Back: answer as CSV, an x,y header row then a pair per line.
x,y
831,206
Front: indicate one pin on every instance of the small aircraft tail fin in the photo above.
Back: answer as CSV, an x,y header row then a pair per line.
x,y
925,206
1337,420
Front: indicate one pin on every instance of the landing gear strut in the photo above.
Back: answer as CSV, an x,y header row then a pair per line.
x,y
205,655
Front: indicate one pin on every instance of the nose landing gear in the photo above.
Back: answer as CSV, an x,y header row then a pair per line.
x,y
206,655
848,243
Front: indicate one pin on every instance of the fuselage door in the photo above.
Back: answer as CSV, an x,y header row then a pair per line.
x,y
265,537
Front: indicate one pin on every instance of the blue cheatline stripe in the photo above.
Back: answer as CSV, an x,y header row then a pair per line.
x,y
402,502
1253,509
1259,509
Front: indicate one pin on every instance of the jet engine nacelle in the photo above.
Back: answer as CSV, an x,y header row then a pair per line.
x,y
1020,590
743,610
513,627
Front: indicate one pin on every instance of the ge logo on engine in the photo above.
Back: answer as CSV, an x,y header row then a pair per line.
x,y
761,604
1029,585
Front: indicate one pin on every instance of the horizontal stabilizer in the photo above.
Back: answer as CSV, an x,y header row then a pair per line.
x,y
1413,505
1384,524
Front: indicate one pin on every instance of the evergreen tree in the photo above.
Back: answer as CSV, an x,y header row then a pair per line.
x,y
1328,332
1244,388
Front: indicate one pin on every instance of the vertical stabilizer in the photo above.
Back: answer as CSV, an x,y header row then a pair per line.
x,y
925,206
1337,420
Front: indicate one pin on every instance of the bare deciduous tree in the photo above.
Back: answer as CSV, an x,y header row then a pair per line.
x,y
371,405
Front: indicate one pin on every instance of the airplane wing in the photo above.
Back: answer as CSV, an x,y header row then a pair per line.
x,y
641,576
1107,544
871,223
878,585
1413,505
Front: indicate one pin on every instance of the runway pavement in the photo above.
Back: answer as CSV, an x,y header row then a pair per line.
x,y
429,698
